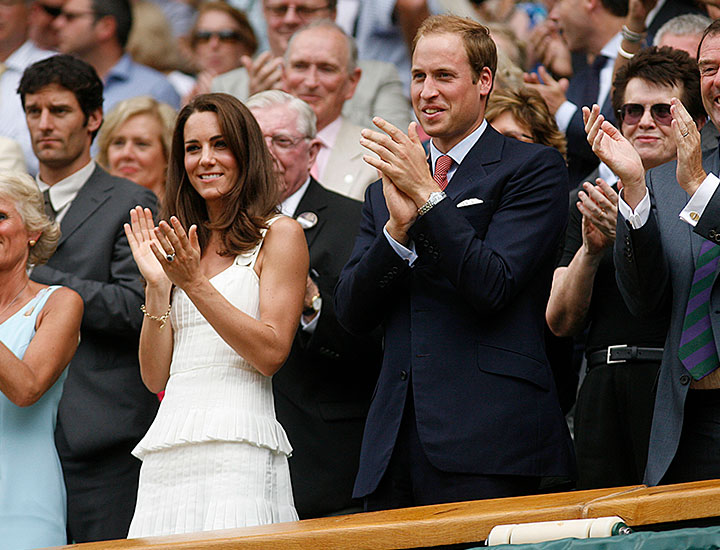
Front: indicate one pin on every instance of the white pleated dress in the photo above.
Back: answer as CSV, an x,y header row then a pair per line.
x,y
215,457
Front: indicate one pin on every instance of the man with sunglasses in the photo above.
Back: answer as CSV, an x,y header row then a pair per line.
x,y
623,352
666,256
42,16
17,53
97,31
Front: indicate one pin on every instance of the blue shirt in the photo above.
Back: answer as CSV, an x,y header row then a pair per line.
x,y
129,79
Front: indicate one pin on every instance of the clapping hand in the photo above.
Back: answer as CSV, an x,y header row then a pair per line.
x,y
140,233
690,173
177,252
598,205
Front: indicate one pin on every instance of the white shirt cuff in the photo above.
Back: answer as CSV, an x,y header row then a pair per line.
x,y
564,114
696,206
640,216
312,325
407,254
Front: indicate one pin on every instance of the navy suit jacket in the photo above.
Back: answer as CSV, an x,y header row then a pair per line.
x,y
464,324
655,266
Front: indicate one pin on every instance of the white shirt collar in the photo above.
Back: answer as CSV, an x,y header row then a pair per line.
x,y
290,204
65,191
459,151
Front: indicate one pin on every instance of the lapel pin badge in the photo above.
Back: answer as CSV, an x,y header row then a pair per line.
x,y
307,219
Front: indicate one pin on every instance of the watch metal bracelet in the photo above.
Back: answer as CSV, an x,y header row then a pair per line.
x,y
434,198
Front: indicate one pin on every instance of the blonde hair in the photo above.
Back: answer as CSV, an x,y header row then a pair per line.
x,y
528,107
23,192
125,110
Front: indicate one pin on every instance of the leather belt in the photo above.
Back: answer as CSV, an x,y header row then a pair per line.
x,y
623,354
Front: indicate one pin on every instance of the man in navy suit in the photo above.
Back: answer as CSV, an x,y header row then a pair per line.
x,y
465,406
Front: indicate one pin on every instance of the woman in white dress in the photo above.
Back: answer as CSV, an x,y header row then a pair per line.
x,y
225,283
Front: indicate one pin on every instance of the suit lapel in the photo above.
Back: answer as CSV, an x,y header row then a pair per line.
x,y
313,201
90,197
487,151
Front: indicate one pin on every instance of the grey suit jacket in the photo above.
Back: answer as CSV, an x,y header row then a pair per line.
x,y
655,267
379,93
104,403
345,171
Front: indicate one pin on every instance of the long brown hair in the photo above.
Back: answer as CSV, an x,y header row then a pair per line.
x,y
254,197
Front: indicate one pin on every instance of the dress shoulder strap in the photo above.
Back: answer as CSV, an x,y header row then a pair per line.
x,y
256,252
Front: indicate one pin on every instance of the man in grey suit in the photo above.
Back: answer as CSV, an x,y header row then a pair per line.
x,y
105,409
666,259
380,92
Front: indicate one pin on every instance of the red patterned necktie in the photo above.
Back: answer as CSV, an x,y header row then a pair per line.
x,y
442,165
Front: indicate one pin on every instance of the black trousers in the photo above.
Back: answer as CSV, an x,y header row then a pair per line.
x,y
411,479
613,416
101,492
698,454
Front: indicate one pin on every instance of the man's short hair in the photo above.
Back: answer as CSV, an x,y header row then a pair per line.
x,y
331,25
121,11
713,29
687,24
662,66
306,121
619,8
479,46
69,72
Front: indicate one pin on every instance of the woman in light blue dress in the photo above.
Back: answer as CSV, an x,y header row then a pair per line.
x,y
39,331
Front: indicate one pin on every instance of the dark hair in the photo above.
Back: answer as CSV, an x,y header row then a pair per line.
x,y
69,72
711,30
121,11
246,32
619,8
254,198
662,66
479,46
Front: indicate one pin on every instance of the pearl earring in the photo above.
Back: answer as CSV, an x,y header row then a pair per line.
x,y
32,242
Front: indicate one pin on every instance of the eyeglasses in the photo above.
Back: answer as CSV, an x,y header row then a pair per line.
x,y
52,11
222,36
631,113
71,16
283,142
303,12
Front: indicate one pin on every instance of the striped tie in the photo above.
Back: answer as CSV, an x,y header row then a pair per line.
x,y
697,344
442,166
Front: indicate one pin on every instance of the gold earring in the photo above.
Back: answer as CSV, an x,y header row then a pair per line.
x,y
32,242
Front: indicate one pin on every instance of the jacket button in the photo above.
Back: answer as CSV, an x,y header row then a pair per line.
x,y
403,375
717,238
712,233
684,379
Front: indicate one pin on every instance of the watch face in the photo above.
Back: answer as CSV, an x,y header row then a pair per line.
x,y
317,303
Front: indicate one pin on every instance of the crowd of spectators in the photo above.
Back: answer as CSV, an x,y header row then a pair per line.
x,y
494,198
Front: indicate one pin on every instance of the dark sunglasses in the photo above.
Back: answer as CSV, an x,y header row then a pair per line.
x,y
631,113
52,11
222,36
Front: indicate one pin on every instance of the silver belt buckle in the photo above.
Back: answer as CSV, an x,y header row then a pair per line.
x,y
609,351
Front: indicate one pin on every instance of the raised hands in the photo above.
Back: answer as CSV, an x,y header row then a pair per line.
x,y
552,91
690,173
164,254
547,47
407,182
617,152
598,205
264,72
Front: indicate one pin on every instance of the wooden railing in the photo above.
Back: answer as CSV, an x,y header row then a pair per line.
x,y
456,523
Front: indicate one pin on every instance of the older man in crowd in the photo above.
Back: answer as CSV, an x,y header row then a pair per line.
x,y
322,393
380,92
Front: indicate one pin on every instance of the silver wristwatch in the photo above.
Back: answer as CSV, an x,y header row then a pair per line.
x,y
434,198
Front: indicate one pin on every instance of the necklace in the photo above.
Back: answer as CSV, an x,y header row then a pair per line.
x,y
14,299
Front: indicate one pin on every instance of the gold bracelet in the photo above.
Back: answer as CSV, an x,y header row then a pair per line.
x,y
162,319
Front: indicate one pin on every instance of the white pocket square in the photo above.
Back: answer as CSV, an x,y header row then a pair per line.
x,y
469,202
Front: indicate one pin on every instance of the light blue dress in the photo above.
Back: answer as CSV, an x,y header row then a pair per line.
x,y
32,490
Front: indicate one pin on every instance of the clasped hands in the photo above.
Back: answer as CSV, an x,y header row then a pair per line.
x,y
164,253
402,162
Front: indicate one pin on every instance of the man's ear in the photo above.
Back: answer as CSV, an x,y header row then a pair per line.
x,y
485,81
354,78
94,120
313,152
106,28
